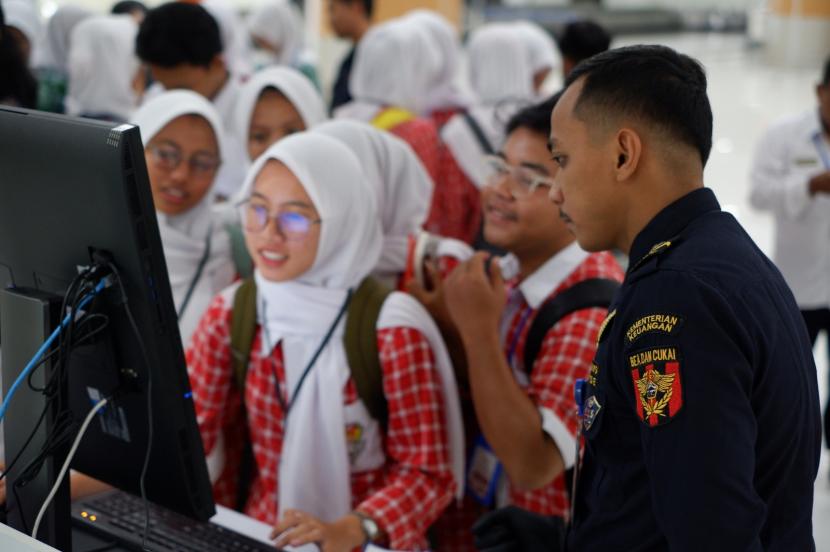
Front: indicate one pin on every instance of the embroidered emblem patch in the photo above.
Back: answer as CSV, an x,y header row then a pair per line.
x,y
354,441
605,324
592,408
653,323
658,388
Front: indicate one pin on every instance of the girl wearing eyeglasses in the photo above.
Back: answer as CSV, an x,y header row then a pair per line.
x,y
183,147
325,472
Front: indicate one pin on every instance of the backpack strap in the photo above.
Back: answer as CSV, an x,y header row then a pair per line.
x,y
239,251
361,343
594,292
243,330
478,132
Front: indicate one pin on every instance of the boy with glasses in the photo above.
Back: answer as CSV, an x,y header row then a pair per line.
x,y
524,407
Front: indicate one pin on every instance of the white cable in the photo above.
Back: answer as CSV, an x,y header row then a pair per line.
x,y
65,467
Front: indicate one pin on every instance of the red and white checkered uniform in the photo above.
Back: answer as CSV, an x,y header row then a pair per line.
x,y
404,496
455,211
565,355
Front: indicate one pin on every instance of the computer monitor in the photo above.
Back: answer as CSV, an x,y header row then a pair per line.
x,y
68,187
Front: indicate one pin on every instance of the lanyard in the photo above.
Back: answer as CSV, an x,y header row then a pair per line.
x,y
196,277
285,406
514,344
822,150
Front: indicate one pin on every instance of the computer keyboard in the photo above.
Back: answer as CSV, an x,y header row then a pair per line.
x,y
119,516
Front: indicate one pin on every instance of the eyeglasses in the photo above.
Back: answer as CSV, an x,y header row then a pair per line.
x,y
291,225
521,181
168,157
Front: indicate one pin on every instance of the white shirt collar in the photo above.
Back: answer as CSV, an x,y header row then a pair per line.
x,y
544,281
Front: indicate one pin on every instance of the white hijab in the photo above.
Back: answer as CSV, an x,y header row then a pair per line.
x,y
502,78
391,64
314,472
448,90
185,236
234,38
54,50
541,49
279,23
292,84
400,182
102,65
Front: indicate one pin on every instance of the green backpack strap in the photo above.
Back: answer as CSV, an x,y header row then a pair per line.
x,y
361,343
239,251
243,329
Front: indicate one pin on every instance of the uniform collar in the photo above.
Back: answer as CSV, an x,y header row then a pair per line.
x,y
547,278
671,221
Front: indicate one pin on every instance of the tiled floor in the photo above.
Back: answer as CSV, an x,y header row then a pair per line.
x,y
746,96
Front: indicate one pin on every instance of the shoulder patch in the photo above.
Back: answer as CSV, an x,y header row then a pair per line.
x,y
654,323
658,386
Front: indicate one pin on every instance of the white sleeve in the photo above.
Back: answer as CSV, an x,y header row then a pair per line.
x,y
773,184
557,430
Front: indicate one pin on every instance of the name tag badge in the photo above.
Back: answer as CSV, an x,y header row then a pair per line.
x,y
483,473
805,162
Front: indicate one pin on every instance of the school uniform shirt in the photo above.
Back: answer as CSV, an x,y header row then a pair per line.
x,y
565,356
788,156
401,479
328,456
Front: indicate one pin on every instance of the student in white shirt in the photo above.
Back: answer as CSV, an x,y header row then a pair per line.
x,y
791,178
184,147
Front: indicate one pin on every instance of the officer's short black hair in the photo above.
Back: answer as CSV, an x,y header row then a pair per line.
x,y
535,117
128,7
177,33
825,77
654,84
583,39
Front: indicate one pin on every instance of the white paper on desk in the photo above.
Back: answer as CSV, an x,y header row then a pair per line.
x,y
252,528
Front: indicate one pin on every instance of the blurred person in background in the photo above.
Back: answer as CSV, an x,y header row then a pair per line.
x,y
51,62
276,29
103,68
790,178
23,25
18,86
581,40
349,19
182,46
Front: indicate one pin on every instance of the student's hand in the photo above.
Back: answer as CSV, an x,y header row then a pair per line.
x,y
432,299
820,184
297,528
476,299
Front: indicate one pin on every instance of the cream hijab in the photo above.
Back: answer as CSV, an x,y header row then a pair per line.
x,y
314,473
279,23
102,65
185,237
292,84
399,181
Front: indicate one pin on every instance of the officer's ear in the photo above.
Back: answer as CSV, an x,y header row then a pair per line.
x,y
629,148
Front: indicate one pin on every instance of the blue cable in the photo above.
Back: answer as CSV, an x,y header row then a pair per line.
x,y
47,344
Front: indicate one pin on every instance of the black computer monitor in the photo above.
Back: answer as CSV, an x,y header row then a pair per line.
x,y
69,187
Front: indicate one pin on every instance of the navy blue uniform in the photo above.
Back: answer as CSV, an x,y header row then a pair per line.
x,y
702,422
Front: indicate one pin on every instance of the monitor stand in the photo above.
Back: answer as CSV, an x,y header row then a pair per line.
x,y
27,318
